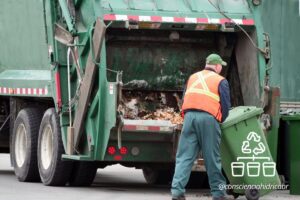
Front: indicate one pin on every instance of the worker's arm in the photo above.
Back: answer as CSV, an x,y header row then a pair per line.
x,y
183,93
224,98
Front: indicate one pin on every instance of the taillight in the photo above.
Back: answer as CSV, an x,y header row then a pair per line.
x,y
111,150
117,157
123,150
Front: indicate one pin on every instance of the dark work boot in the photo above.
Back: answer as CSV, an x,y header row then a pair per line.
x,y
182,197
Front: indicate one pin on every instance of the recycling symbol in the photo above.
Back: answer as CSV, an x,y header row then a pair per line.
x,y
259,149
252,163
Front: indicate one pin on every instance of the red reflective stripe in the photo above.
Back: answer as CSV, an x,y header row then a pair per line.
x,y
11,91
153,128
179,19
129,127
24,91
224,20
113,17
40,91
110,17
58,89
133,17
202,20
156,18
248,22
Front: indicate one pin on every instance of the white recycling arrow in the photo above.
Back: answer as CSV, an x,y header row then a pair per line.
x,y
260,149
245,147
253,136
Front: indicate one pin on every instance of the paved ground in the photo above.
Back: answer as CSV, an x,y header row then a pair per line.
x,y
111,183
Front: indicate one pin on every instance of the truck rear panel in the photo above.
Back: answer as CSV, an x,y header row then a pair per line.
x,y
156,44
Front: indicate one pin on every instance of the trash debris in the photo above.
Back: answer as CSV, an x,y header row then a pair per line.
x,y
165,114
151,106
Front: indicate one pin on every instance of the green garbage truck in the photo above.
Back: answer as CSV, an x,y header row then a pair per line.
x,y
80,78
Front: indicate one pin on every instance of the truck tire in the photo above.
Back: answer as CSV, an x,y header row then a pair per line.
x,y
83,174
24,144
155,176
53,170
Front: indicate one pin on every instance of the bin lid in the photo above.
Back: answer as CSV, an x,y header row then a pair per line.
x,y
291,117
239,114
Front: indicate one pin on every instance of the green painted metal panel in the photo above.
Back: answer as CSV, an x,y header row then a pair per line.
x,y
22,35
25,75
23,79
293,135
282,21
180,7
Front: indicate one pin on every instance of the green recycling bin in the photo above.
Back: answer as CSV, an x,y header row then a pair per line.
x,y
292,132
245,154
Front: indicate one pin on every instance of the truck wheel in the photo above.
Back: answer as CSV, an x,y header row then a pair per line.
x,y
83,174
24,144
53,170
154,176
252,194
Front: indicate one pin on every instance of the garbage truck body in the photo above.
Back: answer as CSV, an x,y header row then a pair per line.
x,y
79,79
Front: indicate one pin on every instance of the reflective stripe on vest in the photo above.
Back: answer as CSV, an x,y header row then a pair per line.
x,y
202,93
205,90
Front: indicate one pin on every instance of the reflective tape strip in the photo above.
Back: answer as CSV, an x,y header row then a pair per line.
x,y
205,92
169,19
214,21
147,128
202,82
248,22
191,20
110,17
238,21
202,20
24,91
156,19
179,19
133,18
145,18
121,17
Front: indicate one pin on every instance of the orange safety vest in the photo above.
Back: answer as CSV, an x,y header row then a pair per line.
x,y
202,93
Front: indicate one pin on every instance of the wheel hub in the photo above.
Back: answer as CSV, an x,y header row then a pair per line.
x,y
47,147
20,145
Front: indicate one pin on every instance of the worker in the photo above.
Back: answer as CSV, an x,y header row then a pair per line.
x,y
206,103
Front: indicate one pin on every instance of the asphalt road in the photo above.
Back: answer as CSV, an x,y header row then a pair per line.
x,y
112,183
